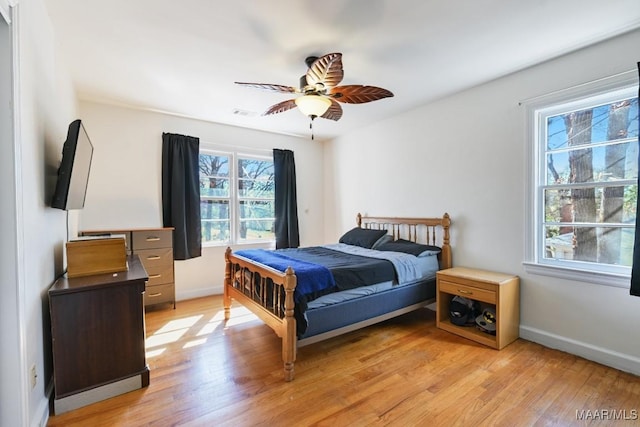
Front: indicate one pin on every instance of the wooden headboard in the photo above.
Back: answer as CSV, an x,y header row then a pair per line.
x,y
430,231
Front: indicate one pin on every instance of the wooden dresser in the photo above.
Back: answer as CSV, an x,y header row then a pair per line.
x,y
154,246
98,336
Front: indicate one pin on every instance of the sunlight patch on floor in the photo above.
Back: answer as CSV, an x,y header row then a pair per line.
x,y
173,325
171,332
239,319
175,330
156,339
240,315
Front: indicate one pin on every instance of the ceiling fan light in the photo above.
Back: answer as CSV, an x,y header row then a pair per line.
x,y
313,105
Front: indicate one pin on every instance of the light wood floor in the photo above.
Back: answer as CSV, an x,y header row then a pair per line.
x,y
402,372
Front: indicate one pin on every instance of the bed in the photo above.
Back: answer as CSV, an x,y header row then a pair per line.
x,y
290,290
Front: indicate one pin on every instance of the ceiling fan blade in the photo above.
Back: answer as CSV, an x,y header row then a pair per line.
x,y
281,107
269,86
358,94
326,70
334,112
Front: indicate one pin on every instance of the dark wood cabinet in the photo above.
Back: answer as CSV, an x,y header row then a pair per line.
x,y
98,333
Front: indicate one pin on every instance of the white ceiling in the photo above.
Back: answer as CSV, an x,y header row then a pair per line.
x,y
182,57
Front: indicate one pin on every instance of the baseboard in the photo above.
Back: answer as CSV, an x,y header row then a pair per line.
x,y
100,393
621,361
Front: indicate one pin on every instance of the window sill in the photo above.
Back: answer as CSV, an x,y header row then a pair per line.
x,y
257,244
595,277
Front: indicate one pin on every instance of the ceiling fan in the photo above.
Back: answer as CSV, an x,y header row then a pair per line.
x,y
320,90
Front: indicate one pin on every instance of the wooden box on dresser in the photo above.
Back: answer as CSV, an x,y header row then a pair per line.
x,y
154,246
498,291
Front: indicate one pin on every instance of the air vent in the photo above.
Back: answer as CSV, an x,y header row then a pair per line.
x,y
244,113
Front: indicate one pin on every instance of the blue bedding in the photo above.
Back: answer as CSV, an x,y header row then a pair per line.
x,y
321,270
312,278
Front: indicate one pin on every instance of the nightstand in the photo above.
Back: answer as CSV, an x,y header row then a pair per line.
x,y
498,291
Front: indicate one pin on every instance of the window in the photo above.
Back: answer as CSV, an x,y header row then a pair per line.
x,y
584,191
236,198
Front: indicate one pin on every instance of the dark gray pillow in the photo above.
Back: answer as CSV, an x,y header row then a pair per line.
x,y
363,237
409,247
381,241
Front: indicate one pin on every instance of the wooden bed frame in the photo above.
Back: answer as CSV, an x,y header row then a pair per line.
x,y
276,308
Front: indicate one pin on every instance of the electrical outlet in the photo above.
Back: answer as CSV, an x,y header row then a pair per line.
x,y
33,376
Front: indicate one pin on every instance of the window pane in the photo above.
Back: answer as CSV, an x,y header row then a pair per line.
x,y
257,209
558,206
256,189
255,169
598,164
214,175
262,229
607,205
214,165
613,246
600,123
214,187
215,220
255,179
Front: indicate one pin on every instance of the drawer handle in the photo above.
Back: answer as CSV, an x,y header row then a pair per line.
x,y
154,276
152,239
159,294
153,257
462,291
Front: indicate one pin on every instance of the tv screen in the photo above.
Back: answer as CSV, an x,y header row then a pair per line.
x,y
73,173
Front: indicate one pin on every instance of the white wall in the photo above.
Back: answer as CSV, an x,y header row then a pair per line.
x,y
44,106
125,183
466,155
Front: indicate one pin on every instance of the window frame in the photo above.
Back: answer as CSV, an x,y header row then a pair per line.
x,y
573,98
234,196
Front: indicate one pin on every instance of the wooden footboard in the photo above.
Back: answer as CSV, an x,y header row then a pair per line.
x,y
268,293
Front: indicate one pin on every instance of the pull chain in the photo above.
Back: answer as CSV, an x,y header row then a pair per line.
x,y
311,125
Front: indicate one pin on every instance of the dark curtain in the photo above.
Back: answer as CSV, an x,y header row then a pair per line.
x,y
286,205
181,193
635,271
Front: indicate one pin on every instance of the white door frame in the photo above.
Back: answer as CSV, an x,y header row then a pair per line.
x,y
14,393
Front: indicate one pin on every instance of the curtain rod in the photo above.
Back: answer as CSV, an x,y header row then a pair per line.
x,y
568,89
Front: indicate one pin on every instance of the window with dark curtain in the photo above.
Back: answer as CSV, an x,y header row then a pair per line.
x,y
181,193
635,271
286,204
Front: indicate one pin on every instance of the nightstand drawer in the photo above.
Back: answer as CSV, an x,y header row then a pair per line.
x,y
148,239
158,294
468,292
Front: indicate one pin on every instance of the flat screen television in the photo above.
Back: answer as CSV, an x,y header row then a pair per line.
x,y
73,173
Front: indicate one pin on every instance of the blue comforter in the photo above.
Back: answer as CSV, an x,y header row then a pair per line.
x,y
311,278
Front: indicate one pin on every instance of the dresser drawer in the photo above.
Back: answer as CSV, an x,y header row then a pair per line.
x,y
159,294
471,292
148,239
155,257
160,274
